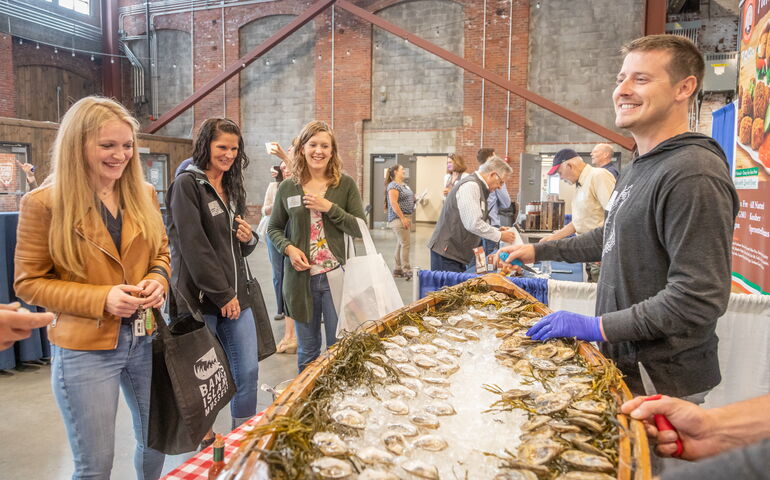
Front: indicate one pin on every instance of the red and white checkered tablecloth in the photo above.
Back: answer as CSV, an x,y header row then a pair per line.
x,y
197,468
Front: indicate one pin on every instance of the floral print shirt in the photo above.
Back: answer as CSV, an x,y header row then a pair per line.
x,y
321,258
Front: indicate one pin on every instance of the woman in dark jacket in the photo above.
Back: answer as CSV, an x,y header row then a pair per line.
x,y
209,242
319,204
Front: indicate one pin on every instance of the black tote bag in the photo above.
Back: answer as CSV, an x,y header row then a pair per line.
x,y
191,383
265,339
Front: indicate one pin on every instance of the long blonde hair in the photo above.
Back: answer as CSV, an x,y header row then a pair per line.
x,y
73,192
300,172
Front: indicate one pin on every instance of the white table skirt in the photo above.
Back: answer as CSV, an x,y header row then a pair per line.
x,y
743,331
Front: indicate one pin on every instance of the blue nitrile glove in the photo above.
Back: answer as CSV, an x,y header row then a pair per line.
x,y
567,324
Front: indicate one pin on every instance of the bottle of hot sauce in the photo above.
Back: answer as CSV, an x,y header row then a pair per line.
x,y
219,458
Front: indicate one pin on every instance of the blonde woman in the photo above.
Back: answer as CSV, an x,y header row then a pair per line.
x,y
319,204
93,250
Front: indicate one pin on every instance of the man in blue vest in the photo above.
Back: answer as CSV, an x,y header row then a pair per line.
x,y
464,218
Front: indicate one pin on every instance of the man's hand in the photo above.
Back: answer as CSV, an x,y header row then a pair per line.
x,y
568,324
547,238
297,258
696,426
507,236
17,325
525,253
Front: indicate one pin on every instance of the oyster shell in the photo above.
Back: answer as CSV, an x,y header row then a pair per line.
x,y
544,351
394,442
542,364
535,423
550,402
436,381
441,409
515,394
374,456
515,475
374,474
425,419
441,343
396,390
354,404
410,331
470,335
432,443
432,321
538,451
411,383
587,461
397,354
455,337
405,429
376,370
330,444
563,354
570,369
423,348
408,369
447,370
349,418
399,340
590,406
437,392
424,361
584,476
420,469
328,467
399,407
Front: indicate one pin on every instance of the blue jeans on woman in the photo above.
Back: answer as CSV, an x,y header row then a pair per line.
x,y
309,333
276,260
86,385
239,339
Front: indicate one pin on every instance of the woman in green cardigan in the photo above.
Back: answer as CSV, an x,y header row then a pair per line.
x,y
320,204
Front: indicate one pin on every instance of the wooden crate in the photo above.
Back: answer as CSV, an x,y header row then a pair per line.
x,y
633,448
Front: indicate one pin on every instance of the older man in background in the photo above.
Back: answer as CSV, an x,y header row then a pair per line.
x,y
496,200
593,188
601,157
464,218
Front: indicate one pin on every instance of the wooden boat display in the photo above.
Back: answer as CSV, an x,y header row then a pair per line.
x,y
629,442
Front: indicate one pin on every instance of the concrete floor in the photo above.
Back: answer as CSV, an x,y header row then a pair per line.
x,y
36,444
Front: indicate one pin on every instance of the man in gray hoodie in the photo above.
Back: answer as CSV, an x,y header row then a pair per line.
x,y
665,245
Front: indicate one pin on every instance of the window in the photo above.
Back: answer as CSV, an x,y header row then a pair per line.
x,y
80,6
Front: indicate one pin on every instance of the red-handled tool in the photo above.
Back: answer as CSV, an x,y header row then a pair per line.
x,y
661,422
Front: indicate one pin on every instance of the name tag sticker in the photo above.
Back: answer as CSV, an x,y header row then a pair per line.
x,y
294,201
215,209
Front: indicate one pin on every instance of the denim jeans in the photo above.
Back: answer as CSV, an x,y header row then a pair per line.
x,y
239,339
86,386
309,333
276,260
444,264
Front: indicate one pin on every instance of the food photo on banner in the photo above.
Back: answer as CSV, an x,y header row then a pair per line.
x,y
751,168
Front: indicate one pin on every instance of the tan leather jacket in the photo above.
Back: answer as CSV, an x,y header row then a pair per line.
x,y
81,323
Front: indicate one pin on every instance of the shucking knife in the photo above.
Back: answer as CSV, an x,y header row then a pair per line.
x,y
660,420
504,257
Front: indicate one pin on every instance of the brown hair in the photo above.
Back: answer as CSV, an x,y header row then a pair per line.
x,y
300,172
232,180
389,177
483,155
686,60
458,164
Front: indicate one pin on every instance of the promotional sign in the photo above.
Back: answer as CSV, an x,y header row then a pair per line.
x,y
751,172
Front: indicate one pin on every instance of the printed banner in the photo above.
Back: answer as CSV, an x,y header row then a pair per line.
x,y
751,173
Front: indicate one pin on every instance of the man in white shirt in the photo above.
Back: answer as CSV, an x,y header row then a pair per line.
x,y
464,218
594,187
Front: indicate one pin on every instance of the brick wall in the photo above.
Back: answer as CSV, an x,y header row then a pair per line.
x,y
273,102
7,87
